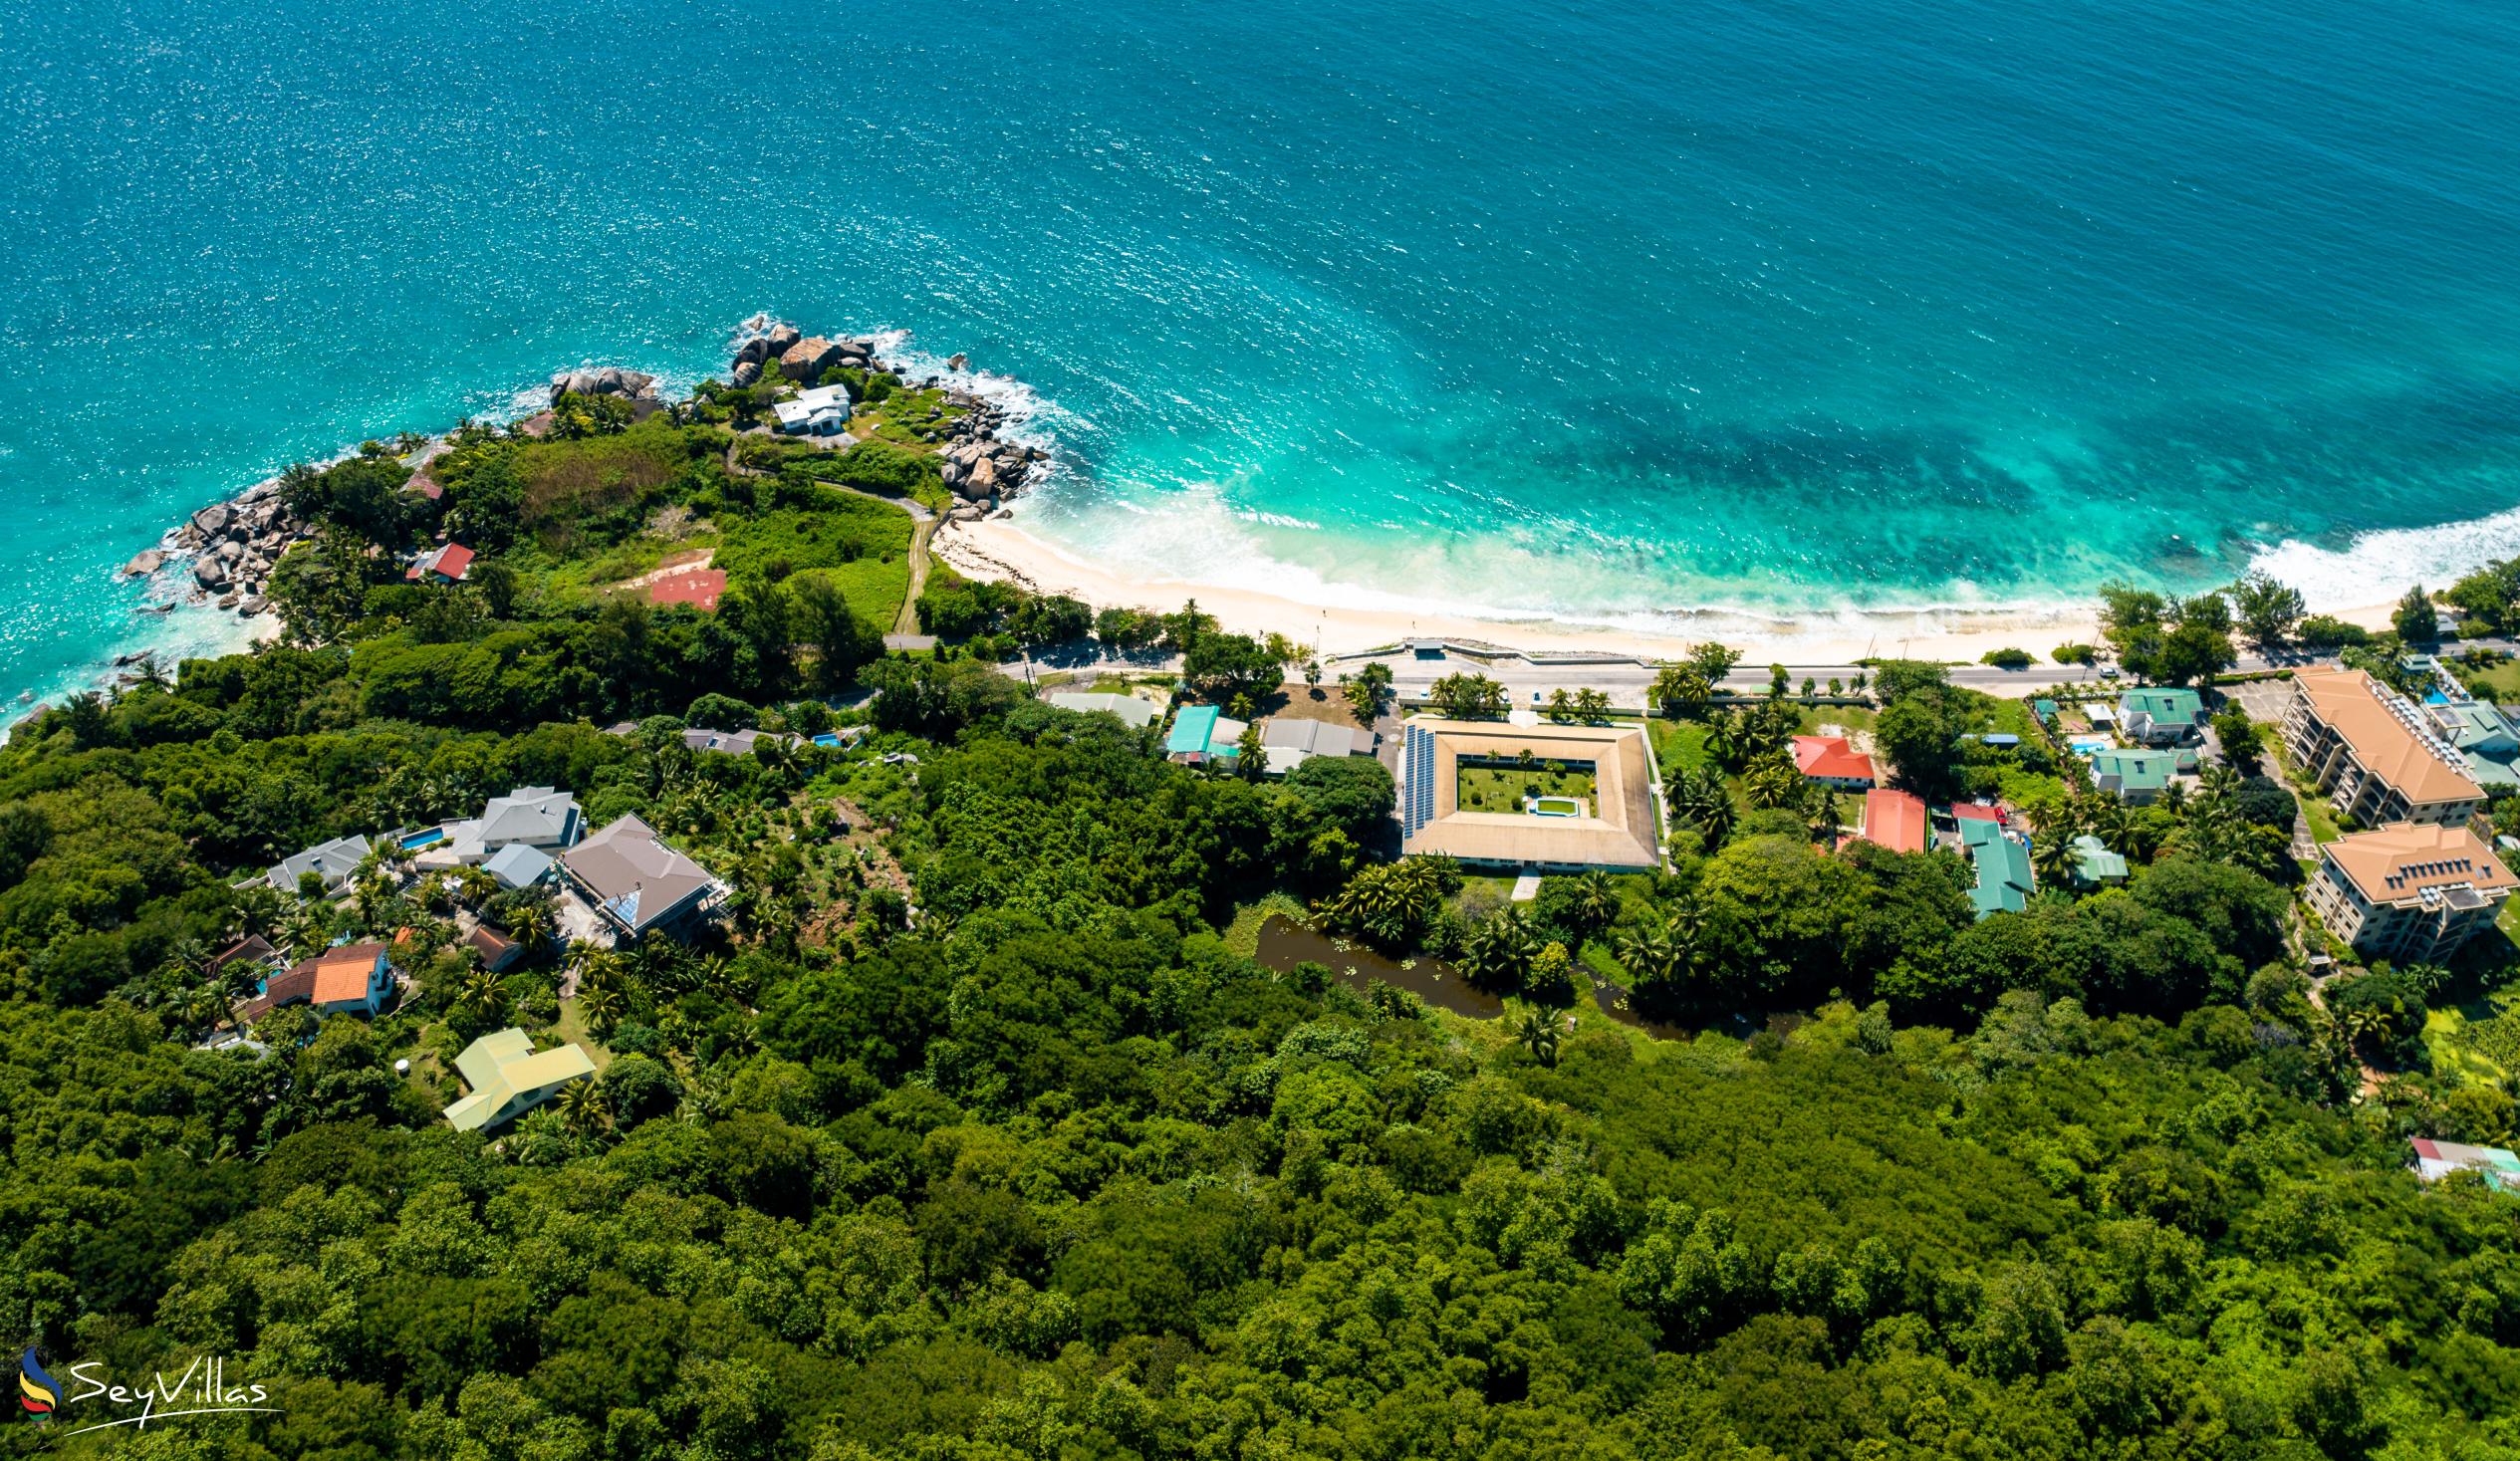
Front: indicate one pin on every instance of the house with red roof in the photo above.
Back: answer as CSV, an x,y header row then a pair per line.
x,y
1896,820
443,564
1834,761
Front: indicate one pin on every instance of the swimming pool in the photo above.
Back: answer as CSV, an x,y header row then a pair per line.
x,y
827,738
2090,745
1556,807
412,841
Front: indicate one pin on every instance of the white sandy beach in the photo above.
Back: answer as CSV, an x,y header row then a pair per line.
x,y
1001,550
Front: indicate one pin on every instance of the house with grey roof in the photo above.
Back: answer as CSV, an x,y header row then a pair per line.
x,y
732,743
542,818
518,864
333,862
635,880
1291,742
1131,711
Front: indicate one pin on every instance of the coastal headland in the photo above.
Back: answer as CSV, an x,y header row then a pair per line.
x,y
989,455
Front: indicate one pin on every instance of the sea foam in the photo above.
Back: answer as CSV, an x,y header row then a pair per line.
x,y
2379,565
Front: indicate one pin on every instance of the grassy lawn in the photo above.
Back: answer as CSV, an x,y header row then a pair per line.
x,y
570,1029
874,587
1677,743
2497,682
2445,1039
1502,787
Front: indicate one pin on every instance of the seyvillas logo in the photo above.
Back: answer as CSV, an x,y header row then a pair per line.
x,y
39,1394
201,1389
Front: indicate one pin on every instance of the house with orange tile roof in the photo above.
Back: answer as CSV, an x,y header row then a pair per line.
x,y
2375,753
352,979
1898,820
2410,892
1835,760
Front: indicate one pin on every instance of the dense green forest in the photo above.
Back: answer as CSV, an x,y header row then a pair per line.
x,y
975,1131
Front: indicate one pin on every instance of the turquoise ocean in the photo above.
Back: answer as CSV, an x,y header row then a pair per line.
x,y
1620,312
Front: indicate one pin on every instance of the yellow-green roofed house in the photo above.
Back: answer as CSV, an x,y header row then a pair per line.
x,y
509,1078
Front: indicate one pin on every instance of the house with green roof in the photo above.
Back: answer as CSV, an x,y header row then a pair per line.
x,y
2137,778
2094,865
2154,715
2003,869
509,1078
1202,733
2485,740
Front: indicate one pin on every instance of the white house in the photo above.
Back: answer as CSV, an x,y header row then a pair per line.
x,y
821,411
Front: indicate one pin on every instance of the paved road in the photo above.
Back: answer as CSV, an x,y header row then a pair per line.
x,y
1627,682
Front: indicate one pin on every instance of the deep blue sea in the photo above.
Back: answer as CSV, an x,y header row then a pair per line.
x,y
1602,309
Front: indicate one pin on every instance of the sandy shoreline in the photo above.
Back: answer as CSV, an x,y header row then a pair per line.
x,y
1000,550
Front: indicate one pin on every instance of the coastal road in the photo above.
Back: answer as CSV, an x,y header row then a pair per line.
x,y
1627,681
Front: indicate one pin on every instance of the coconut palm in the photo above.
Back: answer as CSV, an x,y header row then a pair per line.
x,y
582,1111
531,924
1771,783
1538,1033
2109,822
1723,737
483,996
1498,951
2052,859
601,1007
205,1008
1649,953
1596,899
1827,822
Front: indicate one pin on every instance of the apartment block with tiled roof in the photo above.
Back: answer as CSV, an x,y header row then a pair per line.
x,y
2374,753
2408,892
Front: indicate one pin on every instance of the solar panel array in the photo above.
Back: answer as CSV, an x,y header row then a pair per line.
x,y
1417,757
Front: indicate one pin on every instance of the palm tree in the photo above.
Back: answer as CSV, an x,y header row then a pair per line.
x,y
1722,737
1827,822
1771,783
717,976
1498,951
1649,955
483,996
2109,823
531,925
205,1008
601,1007
582,1111
1596,901
1700,799
2052,858
1538,1033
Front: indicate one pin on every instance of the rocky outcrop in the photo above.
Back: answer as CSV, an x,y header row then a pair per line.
x,y
747,372
604,381
210,573
143,563
808,358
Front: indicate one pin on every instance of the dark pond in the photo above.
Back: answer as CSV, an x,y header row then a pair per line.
x,y
1285,943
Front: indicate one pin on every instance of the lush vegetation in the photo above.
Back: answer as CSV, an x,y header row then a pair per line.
x,y
965,1135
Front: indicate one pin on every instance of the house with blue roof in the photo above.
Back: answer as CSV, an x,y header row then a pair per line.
x,y
1203,733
